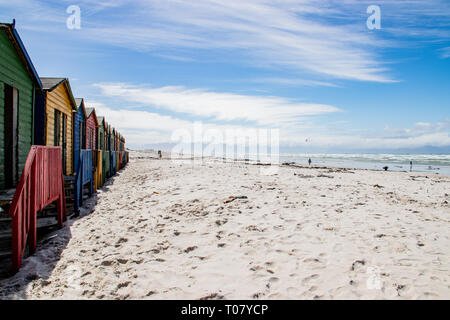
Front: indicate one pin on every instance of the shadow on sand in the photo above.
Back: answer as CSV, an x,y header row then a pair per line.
x,y
51,243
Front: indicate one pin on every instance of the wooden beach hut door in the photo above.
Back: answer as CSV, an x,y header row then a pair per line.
x,y
11,135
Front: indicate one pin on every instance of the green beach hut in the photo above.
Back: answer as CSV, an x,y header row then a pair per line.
x,y
18,83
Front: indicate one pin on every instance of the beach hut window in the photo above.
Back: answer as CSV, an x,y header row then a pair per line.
x,y
57,128
11,121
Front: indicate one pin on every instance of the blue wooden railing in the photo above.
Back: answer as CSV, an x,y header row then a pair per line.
x,y
84,175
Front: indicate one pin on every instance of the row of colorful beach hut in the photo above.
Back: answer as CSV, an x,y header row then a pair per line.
x,y
50,142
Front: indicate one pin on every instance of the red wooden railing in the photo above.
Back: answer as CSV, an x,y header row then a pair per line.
x,y
41,183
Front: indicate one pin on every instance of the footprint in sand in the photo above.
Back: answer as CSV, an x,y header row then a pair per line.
x,y
189,249
312,288
309,278
312,260
256,268
274,279
123,284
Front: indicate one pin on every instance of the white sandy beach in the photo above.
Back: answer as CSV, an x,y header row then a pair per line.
x,y
161,230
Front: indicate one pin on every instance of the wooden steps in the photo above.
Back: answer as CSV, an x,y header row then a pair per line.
x,y
5,254
45,223
5,238
6,197
69,190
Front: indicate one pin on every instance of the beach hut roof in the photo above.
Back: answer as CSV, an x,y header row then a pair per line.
x,y
89,111
49,84
13,35
100,119
80,104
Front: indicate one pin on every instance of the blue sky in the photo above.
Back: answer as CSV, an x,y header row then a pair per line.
x,y
310,68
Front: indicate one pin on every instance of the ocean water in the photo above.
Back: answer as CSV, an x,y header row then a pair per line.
x,y
426,163
429,163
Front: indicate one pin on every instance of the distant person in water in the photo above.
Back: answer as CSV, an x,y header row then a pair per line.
x,y
159,154
309,161
410,165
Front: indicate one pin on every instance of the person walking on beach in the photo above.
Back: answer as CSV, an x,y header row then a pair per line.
x,y
160,154
410,165
309,161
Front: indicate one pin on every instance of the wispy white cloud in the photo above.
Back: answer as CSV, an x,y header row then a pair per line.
x,y
355,142
292,82
319,39
143,128
275,34
287,34
219,106
419,129
136,119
